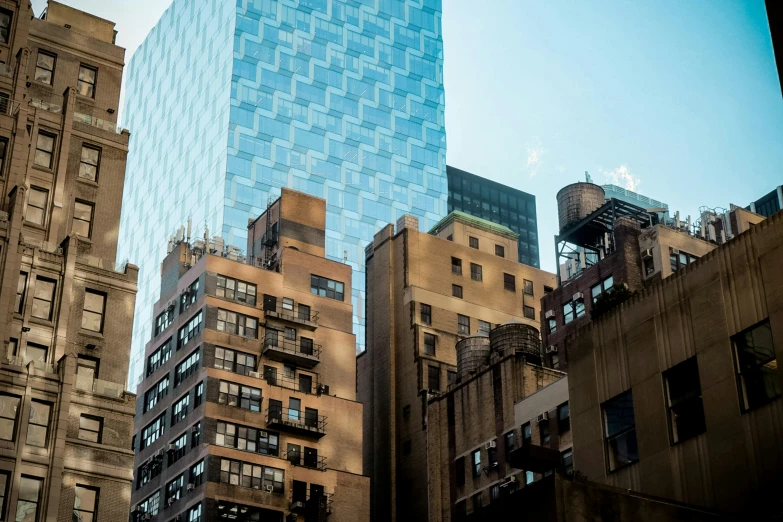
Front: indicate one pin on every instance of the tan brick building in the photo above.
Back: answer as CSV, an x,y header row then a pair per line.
x,y
65,419
249,392
677,393
425,292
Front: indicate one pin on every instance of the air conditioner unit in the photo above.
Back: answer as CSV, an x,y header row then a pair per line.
x,y
647,253
579,296
675,250
147,516
254,374
170,501
159,454
171,304
269,488
297,504
172,447
543,417
549,314
190,486
490,444
551,349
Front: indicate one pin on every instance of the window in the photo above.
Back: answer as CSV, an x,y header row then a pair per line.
x,y
233,361
36,206
199,395
236,290
326,287
500,251
274,477
195,435
85,503
240,396
38,424
511,442
151,504
153,431
5,27
21,286
555,361
44,151
305,383
456,291
44,66
451,377
268,443
476,502
527,434
509,282
473,242
476,272
620,431
43,297
86,83
288,304
163,321
197,474
37,354
683,394
528,288
82,218
573,310
194,513
94,306
151,396
180,409
426,314
86,372
463,324
551,324
159,357
191,329
492,457
5,478
189,296
29,498
456,266
568,461
187,367
429,344
494,493
484,327
90,428
649,266
304,312
433,378
756,366
9,408
88,164
289,334
475,459
459,471
174,488
678,259
601,287
543,433
529,311
294,454
563,418
238,324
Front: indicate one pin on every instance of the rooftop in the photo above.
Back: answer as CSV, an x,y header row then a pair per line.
x,y
474,221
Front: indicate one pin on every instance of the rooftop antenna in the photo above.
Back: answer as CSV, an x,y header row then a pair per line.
x,y
189,226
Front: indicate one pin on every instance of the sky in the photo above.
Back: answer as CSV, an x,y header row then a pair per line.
x,y
677,100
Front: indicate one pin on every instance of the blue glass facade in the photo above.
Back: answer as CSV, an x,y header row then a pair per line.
x,y
229,100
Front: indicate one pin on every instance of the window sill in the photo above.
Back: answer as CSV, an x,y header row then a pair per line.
x,y
36,226
47,86
618,469
41,322
83,239
88,182
90,333
83,98
48,170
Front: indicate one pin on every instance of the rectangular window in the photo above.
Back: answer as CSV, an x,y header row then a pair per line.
x,y
529,311
304,312
233,361
159,357
509,282
289,333
473,242
451,377
476,502
527,434
187,367
154,394
511,442
305,383
163,321
197,474
180,409
199,395
756,366
563,418
38,424
459,471
552,324
528,289
89,162
463,324
426,313
456,266
86,83
37,354
568,461
9,409
153,431
683,394
236,290
268,443
194,513
82,218
326,287
189,296
476,272
44,149
500,251
288,304
37,202
5,479
90,428
240,396
195,435
29,499
44,66
475,459
151,504
601,287
543,433
94,308
173,489
191,329
484,327
43,298
237,324
429,344
620,431
568,312
456,291
433,378
85,503
21,287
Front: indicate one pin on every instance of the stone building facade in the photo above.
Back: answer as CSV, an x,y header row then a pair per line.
x,y
677,392
249,392
67,421
426,291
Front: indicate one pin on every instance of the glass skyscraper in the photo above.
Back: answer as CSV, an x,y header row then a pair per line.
x,y
500,204
229,100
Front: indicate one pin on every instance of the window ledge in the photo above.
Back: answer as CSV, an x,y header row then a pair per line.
x,y
41,322
83,239
35,226
46,86
88,182
90,333
83,98
49,170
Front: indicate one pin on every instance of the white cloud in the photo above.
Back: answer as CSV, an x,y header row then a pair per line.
x,y
622,177
535,155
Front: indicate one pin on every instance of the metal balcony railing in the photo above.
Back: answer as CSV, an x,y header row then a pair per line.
x,y
294,314
297,458
290,383
301,422
303,353
318,503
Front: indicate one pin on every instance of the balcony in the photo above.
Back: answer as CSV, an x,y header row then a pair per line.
x,y
537,459
304,460
303,354
99,387
296,421
300,316
313,388
313,506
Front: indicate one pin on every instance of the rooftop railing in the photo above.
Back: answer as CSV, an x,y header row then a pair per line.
x,y
100,387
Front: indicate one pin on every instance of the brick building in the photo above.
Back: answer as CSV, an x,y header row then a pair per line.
x,y
67,422
503,400
249,387
676,393
425,293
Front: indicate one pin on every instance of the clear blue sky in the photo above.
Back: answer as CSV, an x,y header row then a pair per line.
x,y
679,98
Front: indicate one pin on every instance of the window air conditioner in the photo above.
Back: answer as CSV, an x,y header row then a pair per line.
x,y
579,296
551,349
254,374
647,253
549,314
675,250
170,501
543,417
191,486
490,444
172,447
